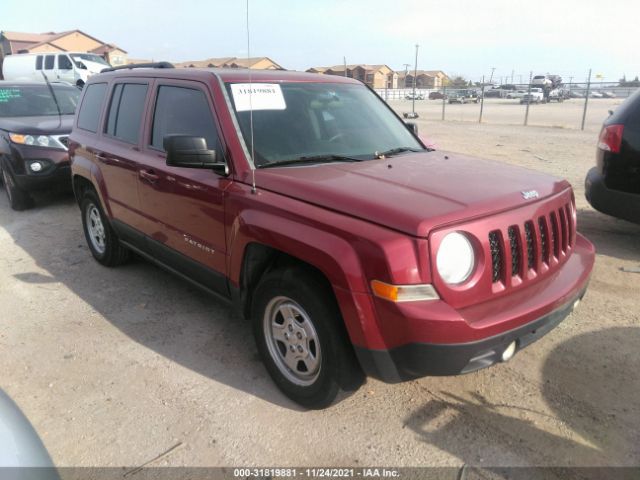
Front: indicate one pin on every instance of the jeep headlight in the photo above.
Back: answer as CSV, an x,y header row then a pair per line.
x,y
455,259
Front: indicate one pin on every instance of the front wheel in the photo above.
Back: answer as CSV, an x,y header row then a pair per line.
x,y
19,199
301,338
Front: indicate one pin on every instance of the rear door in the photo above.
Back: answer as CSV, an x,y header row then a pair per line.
x,y
184,207
49,68
119,153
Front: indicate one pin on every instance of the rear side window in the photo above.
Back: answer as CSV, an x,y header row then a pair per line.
x,y
183,111
89,114
48,62
634,111
64,63
39,62
126,110
628,112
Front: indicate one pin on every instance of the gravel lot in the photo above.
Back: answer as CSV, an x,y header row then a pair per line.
x,y
115,366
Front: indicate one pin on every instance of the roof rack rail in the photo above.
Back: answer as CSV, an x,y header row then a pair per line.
x,y
138,65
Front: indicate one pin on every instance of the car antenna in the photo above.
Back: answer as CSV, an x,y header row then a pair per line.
x,y
253,169
55,99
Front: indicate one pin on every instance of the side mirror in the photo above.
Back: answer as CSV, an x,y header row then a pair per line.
x,y
413,127
82,66
191,152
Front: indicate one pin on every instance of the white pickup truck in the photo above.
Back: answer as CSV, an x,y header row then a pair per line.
x,y
536,95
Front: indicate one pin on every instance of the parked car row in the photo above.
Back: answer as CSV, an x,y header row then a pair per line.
x,y
352,247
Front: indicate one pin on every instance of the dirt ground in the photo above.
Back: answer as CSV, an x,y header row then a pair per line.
x,y
116,366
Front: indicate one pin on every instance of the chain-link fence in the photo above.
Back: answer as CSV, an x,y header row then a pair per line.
x,y
565,105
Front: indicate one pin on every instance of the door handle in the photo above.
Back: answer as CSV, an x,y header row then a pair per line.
x,y
100,157
149,175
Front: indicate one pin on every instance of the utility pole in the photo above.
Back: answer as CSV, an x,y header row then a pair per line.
x,y
415,79
512,72
406,71
344,60
570,82
493,69
481,101
586,100
526,114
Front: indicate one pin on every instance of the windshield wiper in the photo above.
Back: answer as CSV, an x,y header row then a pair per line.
x,y
395,151
312,159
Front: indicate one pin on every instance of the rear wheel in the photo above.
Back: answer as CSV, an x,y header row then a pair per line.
x,y
19,199
301,338
101,238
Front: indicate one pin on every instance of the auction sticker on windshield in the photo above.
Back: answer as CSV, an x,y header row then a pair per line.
x,y
7,94
257,96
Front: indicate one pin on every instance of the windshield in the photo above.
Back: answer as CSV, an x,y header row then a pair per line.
x,y
36,100
296,120
89,57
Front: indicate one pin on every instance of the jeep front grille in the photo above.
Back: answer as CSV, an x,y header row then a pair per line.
x,y
546,239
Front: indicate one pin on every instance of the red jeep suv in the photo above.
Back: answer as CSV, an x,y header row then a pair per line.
x,y
307,202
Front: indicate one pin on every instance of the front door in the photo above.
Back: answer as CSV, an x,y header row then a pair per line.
x,y
184,207
119,153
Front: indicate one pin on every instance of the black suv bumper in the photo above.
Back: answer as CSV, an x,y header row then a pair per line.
x,y
55,172
612,202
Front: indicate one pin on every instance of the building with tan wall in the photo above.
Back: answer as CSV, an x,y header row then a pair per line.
x,y
424,79
376,76
255,63
71,41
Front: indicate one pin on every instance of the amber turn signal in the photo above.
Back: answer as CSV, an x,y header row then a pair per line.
x,y
403,293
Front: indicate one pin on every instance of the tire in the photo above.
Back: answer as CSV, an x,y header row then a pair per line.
x,y
101,238
19,199
301,338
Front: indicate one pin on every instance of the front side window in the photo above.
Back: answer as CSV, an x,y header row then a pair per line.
x,y
126,111
39,62
297,120
64,63
183,111
89,114
49,60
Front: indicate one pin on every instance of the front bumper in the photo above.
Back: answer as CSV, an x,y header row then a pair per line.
x,y
56,171
417,360
612,202
431,338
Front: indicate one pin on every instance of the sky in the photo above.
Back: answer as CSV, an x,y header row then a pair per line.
x,y
465,37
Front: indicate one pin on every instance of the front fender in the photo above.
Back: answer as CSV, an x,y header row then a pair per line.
x,y
332,255
304,242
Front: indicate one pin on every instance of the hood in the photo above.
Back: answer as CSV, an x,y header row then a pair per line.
x,y
94,67
412,193
44,125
